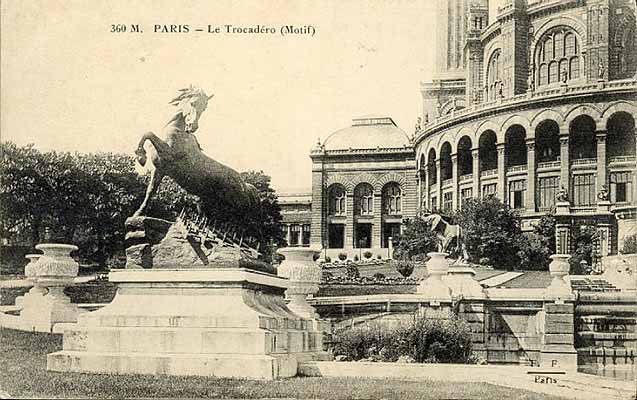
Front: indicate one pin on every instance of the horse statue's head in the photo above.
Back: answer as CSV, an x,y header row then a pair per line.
x,y
191,102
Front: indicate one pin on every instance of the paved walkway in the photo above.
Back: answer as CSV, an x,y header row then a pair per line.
x,y
572,385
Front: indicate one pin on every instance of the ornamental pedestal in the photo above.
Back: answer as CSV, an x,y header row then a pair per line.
x,y
46,304
36,291
433,288
304,276
560,287
461,282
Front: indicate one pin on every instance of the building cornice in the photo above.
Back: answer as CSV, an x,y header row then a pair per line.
x,y
526,100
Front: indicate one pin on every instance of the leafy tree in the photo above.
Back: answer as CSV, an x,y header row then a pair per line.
x,y
535,248
491,230
630,245
584,242
416,240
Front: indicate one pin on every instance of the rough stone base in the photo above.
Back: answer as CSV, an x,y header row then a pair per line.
x,y
221,322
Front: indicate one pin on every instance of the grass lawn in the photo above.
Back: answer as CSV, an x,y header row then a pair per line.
x,y
23,374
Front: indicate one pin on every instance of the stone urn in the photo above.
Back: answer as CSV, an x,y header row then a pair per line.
x,y
460,279
55,267
559,269
434,287
304,276
29,271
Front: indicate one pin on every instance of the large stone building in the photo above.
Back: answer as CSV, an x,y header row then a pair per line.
x,y
540,100
538,103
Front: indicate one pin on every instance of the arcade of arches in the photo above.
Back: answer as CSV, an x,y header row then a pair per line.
x,y
528,167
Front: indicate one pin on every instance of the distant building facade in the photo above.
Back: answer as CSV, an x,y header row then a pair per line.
x,y
363,186
296,218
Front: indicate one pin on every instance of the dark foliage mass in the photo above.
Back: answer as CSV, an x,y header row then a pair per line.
x,y
85,199
416,240
630,245
420,340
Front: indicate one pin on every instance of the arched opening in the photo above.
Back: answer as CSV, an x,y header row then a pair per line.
x,y
392,211
336,208
465,161
363,211
557,56
547,141
431,163
620,139
494,76
515,146
620,148
582,142
487,151
336,195
445,162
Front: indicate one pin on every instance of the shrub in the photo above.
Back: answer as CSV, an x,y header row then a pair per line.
x,y
630,245
355,257
342,256
326,275
328,259
417,238
405,268
422,339
352,272
584,241
379,276
367,254
379,257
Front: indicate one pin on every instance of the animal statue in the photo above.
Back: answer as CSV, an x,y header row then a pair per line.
x,y
223,194
449,236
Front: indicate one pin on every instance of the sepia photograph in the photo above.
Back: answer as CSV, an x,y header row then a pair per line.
x,y
297,199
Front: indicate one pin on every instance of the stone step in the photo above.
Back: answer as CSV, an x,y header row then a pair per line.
x,y
190,340
214,365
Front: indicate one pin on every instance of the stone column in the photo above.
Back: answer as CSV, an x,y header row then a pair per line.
x,y
454,181
501,174
288,234
349,221
419,190
564,163
530,176
425,196
562,238
601,161
376,227
439,181
475,153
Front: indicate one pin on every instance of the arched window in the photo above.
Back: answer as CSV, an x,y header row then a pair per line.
x,y
392,199
336,196
364,199
494,75
557,56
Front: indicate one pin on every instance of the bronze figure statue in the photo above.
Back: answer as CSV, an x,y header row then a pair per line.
x,y
223,194
449,236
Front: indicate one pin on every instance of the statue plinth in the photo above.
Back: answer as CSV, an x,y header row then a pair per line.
x,y
222,322
461,282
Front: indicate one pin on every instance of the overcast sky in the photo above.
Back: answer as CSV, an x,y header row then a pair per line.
x,y
68,83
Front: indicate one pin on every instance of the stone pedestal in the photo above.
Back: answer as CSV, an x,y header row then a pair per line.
x,y
35,291
304,276
433,288
560,287
46,304
222,322
558,350
461,282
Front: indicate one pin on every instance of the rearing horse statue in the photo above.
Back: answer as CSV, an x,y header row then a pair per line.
x,y
449,236
222,192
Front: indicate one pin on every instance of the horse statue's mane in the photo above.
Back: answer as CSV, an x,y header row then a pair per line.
x,y
223,195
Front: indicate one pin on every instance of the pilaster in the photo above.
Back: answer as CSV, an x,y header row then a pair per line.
x,y
349,221
475,154
564,162
601,161
454,181
376,227
530,178
501,173
439,185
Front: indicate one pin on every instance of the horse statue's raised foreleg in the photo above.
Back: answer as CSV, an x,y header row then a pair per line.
x,y
162,147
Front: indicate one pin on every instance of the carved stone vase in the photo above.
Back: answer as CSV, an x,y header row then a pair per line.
x,y
53,271
304,276
559,269
29,271
434,288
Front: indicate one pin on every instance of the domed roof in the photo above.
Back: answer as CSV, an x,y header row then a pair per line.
x,y
368,133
